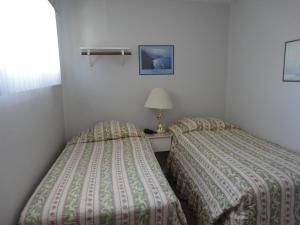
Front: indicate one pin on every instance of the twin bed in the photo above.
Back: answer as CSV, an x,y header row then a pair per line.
x,y
231,177
109,175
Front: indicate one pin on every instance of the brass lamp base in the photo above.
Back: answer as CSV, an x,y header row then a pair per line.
x,y
160,127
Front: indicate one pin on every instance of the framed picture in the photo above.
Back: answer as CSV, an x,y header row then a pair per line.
x,y
156,59
291,69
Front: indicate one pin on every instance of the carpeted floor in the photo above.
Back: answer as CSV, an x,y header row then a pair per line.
x,y
162,159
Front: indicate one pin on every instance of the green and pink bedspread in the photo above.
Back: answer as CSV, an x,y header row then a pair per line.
x,y
113,181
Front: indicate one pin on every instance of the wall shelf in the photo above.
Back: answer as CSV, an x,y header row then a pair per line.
x,y
105,51
102,51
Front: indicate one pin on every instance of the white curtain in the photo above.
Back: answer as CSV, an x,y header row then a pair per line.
x,y
29,56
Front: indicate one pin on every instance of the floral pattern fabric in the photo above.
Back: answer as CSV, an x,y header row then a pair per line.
x,y
108,130
189,124
113,182
231,177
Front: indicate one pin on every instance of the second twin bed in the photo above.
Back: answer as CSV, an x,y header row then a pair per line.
x,y
231,177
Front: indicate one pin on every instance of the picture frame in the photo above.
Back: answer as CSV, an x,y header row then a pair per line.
x,y
291,68
156,59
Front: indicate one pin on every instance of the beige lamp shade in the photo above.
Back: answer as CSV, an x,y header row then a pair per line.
x,y
158,99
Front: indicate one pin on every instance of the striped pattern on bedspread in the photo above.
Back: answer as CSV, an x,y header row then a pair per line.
x,y
232,177
108,182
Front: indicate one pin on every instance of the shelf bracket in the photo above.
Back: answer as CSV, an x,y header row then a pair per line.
x,y
122,57
90,57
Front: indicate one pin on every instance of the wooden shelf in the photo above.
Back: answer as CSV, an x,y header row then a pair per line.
x,y
105,51
102,51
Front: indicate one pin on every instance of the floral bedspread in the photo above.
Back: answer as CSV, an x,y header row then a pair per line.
x,y
104,182
231,177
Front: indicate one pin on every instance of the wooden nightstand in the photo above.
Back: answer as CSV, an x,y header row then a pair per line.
x,y
160,142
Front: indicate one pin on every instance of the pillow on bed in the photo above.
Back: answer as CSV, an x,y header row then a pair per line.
x,y
199,123
108,130
183,125
209,123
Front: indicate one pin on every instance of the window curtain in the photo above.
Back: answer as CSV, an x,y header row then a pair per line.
x,y
29,56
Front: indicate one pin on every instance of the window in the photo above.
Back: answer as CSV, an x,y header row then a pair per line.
x,y
29,56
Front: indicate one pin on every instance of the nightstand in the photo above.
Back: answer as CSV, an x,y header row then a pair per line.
x,y
160,142
161,145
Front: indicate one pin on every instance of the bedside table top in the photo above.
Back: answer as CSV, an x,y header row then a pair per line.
x,y
164,135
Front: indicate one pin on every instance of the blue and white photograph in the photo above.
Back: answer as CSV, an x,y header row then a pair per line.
x,y
156,59
292,61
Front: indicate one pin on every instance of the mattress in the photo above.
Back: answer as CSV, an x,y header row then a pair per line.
x,y
229,176
104,182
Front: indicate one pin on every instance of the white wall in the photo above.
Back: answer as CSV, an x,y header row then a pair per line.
x,y
31,136
257,99
111,91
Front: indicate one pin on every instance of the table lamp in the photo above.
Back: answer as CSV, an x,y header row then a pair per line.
x,y
160,100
